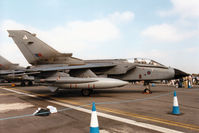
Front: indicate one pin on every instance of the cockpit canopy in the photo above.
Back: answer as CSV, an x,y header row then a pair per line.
x,y
144,61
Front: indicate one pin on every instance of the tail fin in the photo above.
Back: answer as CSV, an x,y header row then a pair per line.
x,y
7,65
32,48
4,62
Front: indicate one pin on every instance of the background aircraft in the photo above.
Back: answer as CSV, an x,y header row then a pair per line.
x,y
13,72
39,53
7,65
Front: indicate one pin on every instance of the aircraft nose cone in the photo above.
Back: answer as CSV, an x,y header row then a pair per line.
x,y
180,74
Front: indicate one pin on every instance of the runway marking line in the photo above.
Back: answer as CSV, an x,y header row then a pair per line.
x,y
39,95
158,120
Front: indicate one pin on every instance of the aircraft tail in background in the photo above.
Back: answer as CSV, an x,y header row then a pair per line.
x,y
7,65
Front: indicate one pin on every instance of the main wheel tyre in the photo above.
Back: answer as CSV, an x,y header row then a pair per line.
x,y
23,83
86,92
30,83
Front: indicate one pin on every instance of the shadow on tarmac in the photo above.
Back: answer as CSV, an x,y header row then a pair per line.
x,y
77,92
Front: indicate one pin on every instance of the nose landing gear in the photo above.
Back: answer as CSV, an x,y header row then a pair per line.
x,y
147,90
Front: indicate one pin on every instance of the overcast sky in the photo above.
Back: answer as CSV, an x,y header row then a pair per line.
x,y
164,30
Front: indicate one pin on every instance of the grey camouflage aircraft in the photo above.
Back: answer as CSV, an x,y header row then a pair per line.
x,y
38,53
13,72
67,73
7,65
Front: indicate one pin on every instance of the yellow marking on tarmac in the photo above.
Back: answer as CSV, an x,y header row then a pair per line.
x,y
173,123
5,94
40,95
120,112
67,101
115,111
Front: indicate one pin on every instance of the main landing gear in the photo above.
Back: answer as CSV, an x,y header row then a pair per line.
x,y
23,83
86,92
30,83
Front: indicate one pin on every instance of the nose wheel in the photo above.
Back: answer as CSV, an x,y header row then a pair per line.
x,y
86,92
147,91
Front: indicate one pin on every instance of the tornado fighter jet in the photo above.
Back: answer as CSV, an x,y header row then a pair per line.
x,y
60,71
39,54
